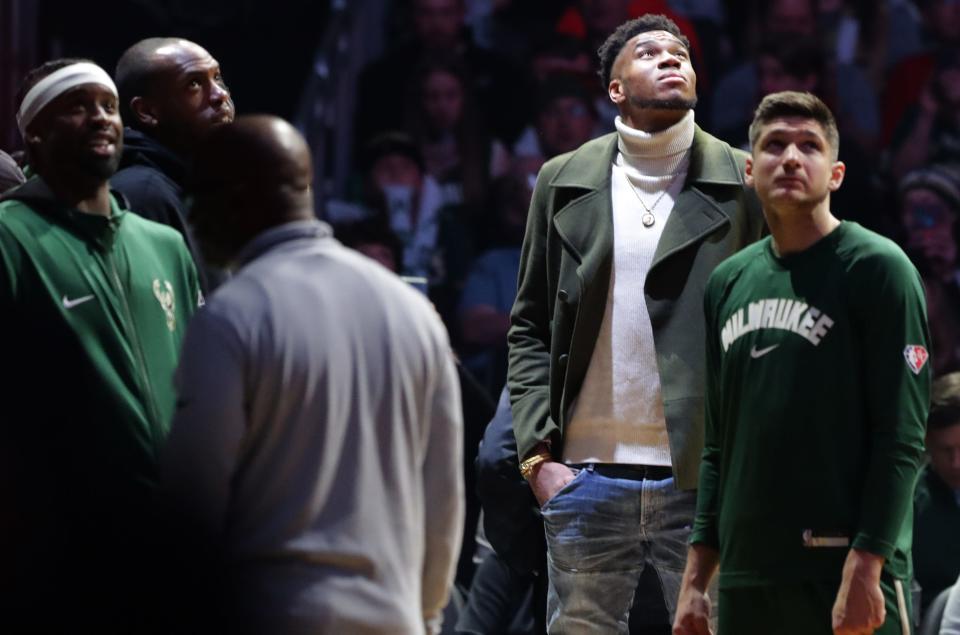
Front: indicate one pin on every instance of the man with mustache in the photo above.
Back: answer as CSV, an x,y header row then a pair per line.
x,y
93,304
171,95
606,339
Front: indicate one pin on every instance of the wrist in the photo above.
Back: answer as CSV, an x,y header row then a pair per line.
x,y
864,564
535,460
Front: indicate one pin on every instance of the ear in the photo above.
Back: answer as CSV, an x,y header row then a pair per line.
x,y
837,171
144,112
615,91
748,172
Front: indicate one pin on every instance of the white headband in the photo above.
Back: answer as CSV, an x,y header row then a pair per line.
x,y
57,83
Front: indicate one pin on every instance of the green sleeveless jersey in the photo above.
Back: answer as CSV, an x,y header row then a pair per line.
x,y
818,387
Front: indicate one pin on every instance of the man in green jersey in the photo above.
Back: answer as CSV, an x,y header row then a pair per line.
x,y
93,305
818,388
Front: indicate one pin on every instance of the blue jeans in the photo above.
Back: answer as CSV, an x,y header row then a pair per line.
x,y
601,532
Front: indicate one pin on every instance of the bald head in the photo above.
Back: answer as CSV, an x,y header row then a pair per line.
x,y
172,89
247,178
257,148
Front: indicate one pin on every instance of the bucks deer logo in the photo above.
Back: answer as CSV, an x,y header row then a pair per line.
x,y
164,294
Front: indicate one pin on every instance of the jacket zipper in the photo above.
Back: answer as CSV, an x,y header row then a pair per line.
x,y
152,416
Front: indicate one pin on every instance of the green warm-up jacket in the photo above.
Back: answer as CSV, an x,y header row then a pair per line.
x,y
93,311
565,271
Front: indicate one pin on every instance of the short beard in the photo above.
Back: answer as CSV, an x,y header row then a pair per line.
x,y
101,168
664,104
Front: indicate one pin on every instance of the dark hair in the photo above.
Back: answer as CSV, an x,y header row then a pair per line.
x,y
371,231
135,70
798,56
790,103
33,77
945,402
561,85
615,42
391,142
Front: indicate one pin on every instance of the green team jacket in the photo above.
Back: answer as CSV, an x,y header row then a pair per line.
x,y
818,387
565,273
93,311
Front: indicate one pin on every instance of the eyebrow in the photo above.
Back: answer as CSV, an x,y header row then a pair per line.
x,y
660,41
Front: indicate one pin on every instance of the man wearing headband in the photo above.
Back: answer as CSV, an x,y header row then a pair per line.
x,y
171,95
93,303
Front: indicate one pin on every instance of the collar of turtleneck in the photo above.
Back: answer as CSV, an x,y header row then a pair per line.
x,y
656,153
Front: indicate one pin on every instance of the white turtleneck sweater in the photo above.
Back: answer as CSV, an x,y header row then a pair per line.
x,y
618,415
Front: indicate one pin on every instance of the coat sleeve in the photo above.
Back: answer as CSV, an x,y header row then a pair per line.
x,y
705,528
443,490
528,373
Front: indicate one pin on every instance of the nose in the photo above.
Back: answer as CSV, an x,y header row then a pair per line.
x,y
791,155
668,59
219,93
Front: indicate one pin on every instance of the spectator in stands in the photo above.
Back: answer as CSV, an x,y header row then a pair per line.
x,y
317,435
444,120
10,173
929,209
566,118
784,62
374,239
437,242
491,285
94,301
171,95
930,130
844,87
439,34
907,80
936,533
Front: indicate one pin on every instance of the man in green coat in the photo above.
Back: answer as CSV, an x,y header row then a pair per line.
x,y
93,303
606,339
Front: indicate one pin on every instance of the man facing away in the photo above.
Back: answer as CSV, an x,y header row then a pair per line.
x,y
606,355
171,95
318,432
818,387
93,302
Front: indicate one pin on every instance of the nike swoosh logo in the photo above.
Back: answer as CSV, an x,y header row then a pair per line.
x,y
756,353
69,304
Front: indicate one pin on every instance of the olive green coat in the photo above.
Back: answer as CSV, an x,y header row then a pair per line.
x,y
565,273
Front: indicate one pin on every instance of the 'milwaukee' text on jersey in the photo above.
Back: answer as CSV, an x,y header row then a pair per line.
x,y
817,397
787,314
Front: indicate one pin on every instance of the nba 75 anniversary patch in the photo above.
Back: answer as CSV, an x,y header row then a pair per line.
x,y
916,357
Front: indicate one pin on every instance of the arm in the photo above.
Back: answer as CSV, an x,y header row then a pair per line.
x,y
198,460
528,373
693,605
896,395
443,490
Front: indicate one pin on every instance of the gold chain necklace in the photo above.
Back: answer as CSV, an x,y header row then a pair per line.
x,y
648,219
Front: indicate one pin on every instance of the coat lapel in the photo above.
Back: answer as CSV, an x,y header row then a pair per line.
x,y
696,215
585,223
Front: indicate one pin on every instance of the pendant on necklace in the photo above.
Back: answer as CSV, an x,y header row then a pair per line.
x,y
648,219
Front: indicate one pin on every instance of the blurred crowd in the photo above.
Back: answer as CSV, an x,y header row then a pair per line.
x,y
455,118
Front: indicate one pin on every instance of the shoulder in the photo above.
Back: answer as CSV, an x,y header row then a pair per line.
x,y
869,253
152,233
584,157
149,191
730,270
